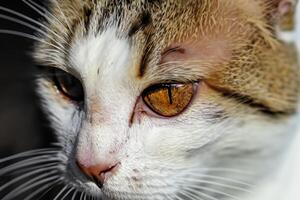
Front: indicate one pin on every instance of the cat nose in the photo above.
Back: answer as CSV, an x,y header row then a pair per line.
x,y
99,173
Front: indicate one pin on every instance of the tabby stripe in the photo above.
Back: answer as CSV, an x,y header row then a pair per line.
x,y
249,101
144,21
87,18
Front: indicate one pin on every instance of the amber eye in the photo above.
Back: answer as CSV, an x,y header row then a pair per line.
x,y
169,100
68,85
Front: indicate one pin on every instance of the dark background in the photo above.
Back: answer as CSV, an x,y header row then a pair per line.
x,y
22,123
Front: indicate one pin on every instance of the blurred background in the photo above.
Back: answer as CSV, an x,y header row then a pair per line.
x,y
22,125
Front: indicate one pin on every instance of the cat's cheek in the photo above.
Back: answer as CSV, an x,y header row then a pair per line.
x,y
173,145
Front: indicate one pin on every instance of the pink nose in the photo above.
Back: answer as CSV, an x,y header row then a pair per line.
x,y
99,173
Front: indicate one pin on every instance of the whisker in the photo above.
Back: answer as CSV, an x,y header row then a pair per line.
x,y
37,8
29,36
60,193
27,169
46,188
39,180
233,170
41,10
215,183
201,193
64,16
67,193
221,179
198,169
57,144
81,196
214,191
171,197
74,195
177,197
190,196
168,197
28,162
29,153
12,19
15,180
35,22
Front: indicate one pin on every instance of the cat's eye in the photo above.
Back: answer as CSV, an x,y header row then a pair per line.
x,y
68,85
169,100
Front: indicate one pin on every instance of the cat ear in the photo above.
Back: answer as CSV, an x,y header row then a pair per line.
x,y
282,13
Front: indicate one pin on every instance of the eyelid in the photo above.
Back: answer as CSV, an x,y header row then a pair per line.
x,y
69,70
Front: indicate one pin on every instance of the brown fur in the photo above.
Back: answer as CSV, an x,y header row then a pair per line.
x,y
258,65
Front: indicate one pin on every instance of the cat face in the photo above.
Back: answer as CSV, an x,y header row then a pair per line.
x,y
168,99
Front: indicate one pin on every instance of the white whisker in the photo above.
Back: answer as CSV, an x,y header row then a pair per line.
x,y
233,170
214,191
35,167
81,196
39,180
188,195
29,154
60,193
64,16
67,193
12,19
221,179
201,193
29,36
46,188
15,180
74,195
215,183
41,10
35,22
168,197
27,162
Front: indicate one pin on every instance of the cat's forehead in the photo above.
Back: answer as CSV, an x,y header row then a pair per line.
x,y
130,13
131,17
150,26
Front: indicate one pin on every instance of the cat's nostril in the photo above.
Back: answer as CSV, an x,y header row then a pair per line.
x,y
99,173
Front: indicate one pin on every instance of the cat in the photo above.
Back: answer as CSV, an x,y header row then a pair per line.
x,y
175,100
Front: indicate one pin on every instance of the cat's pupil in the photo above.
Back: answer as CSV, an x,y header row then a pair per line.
x,y
68,85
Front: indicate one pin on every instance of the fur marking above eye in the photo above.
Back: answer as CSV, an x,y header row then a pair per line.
x,y
177,49
144,21
87,20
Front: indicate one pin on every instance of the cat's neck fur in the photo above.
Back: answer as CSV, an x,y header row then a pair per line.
x,y
284,183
